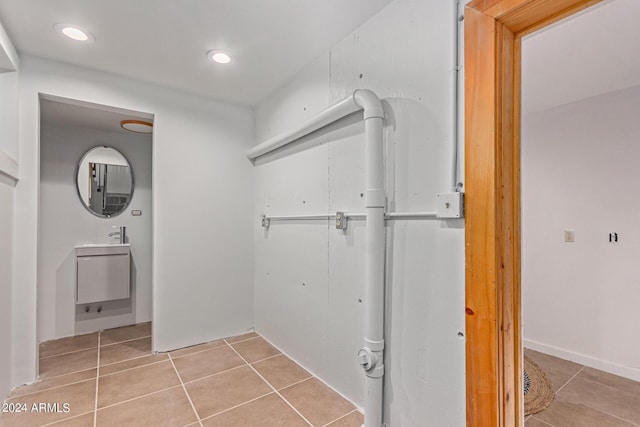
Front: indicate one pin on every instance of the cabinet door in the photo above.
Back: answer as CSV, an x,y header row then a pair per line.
x,y
102,278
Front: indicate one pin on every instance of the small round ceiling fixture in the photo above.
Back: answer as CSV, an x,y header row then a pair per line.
x,y
74,33
219,56
137,126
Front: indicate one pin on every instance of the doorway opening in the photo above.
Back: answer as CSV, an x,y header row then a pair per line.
x,y
95,231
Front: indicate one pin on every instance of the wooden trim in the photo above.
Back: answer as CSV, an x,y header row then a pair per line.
x,y
493,34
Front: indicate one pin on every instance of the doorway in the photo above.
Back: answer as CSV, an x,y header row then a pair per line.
x,y
95,194
493,35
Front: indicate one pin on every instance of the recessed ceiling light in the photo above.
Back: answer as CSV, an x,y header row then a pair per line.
x,y
219,56
137,126
74,33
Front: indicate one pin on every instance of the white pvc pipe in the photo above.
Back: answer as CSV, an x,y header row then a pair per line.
x,y
320,120
371,356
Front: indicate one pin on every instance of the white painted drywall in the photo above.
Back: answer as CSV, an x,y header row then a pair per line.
x,y
9,170
202,207
309,276
580,172
64,223
7,195
9,114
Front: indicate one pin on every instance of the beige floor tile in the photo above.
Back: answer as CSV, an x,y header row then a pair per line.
x,y
242,337
79,396
534,422
610,380
207,362
559,371
317,402
69,344
268,411
606,399
168,408
565,413
255,349
196,348
281,371
132,363
53,382
68,363
223,391
125,333
85,420
126,350
135,382
354,419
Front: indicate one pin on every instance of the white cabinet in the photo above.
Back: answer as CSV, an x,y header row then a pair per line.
x,y
102,273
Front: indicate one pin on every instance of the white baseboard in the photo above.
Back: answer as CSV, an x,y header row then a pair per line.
x,y
592,362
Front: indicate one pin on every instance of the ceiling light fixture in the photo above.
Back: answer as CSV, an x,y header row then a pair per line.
x,y
137,126
74,33
219,56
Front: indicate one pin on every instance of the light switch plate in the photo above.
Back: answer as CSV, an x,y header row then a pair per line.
x,y
450,205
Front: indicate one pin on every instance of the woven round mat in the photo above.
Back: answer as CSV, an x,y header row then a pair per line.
x,y
540,394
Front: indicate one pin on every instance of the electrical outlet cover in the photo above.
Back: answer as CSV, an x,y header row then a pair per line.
x,y
450,205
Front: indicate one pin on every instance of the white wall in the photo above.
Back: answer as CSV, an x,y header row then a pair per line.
x,y
309,276
9,173
202,207
7,195
64,223
580,172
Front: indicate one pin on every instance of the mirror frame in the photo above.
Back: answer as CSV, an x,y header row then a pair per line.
x,y
86,206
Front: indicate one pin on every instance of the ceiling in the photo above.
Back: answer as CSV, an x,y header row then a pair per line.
x,y
589,54
76,114
165,41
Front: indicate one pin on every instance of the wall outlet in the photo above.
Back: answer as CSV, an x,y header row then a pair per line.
x,y
569,236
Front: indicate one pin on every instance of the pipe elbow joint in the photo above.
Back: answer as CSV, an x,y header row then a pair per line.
x,y
369,102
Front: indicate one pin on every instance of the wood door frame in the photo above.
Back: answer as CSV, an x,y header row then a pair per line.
x,y
493,31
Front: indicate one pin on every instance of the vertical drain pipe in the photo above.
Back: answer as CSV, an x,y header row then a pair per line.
x,y
371,356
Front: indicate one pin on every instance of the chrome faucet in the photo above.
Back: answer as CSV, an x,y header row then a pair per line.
x,y
121,233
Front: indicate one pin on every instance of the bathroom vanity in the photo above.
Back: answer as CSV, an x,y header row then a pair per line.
x,y
102,272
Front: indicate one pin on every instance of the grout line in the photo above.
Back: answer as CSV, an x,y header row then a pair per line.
x,y
195,352
50,388
570,379
65,419
296,383
185,391
239,341
95,407
268,383
125,341
68,352
138,397
134,367
339,418
237,406
62,375
266,358
217,373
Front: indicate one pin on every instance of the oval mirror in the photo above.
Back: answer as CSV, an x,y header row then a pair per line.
x,y
105,181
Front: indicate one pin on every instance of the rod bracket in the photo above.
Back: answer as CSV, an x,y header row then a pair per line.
x,y
341,221
265,222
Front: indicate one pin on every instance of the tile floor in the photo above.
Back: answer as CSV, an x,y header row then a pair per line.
x,y
585,396
112,379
